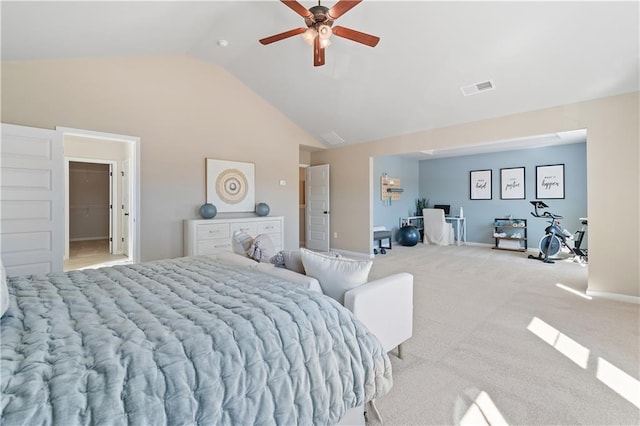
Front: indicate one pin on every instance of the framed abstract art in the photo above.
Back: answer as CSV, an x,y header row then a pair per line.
x,y
230,185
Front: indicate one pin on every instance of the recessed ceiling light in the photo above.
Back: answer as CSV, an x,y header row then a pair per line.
x,y
223,43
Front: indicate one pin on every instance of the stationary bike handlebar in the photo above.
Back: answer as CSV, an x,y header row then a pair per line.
x,y
546,214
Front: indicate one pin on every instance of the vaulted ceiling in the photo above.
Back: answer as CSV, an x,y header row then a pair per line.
x,y
536,54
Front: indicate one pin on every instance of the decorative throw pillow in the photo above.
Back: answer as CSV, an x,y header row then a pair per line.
x,y
241,242
336,275
4,291
262,248
278,259
293,261
290,260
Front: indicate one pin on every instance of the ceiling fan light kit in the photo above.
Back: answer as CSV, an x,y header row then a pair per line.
x,y
319,20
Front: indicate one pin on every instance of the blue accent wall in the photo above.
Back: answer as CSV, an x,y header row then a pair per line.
x,y
446,181
388,215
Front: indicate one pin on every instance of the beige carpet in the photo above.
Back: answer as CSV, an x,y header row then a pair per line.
x,y
496,341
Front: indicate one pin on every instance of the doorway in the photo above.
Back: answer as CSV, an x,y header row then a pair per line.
x,y
101,199
91,200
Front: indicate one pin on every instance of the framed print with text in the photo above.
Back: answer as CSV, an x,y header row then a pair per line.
x,y
512,183
480,185
550,181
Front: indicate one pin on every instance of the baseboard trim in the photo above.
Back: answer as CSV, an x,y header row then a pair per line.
x,y
472,243
614,296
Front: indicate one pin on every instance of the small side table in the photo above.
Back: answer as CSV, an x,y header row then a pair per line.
x,y
379,236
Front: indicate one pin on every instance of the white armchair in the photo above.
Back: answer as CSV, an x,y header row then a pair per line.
x,y
385,306
437,230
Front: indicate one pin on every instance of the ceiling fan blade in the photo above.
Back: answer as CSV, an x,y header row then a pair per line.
x,y
282,36
356,36
342,7
318,53
298,8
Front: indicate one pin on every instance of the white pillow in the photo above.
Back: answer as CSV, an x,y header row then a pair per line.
x,y
4,291
241,242
262,248
336,275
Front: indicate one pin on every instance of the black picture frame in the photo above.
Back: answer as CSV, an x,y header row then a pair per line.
x,y
480,185
550,181
512,183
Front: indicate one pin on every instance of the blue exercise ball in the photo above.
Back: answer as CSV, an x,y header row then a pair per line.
x,y
262,209
208,211
408,236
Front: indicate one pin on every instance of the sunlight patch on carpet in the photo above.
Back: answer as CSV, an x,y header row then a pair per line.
x,y
563,343
576,292
483,412
619,381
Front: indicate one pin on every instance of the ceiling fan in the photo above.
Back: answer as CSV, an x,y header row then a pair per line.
x,y
319,20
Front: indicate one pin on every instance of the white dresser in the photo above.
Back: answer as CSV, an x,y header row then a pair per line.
x,y
205,236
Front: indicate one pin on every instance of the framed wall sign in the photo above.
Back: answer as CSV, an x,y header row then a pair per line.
x,y
480,185
230,185
550,181
512,183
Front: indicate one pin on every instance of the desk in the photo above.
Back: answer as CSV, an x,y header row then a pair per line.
x,y
461,227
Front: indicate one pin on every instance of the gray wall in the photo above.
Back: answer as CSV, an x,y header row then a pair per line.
x,y
385,214
446,181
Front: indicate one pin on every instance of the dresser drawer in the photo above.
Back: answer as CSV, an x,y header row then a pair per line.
x,y
212,230
213,245
269,227
248,227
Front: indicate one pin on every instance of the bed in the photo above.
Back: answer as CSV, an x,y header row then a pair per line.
x,y
182,341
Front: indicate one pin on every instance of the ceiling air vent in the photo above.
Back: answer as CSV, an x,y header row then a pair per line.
x,y
472,89
332,138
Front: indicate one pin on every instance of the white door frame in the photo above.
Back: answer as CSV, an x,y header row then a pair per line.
x,y
113,196
134,179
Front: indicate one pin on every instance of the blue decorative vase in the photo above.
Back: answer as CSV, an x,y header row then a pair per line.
x,y
408,236
208,211
262,209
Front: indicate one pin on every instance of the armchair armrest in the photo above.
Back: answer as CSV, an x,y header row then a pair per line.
x,y
385,307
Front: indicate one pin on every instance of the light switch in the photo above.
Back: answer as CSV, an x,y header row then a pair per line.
x,y
283,182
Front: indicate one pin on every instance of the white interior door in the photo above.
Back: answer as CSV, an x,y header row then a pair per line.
x,y
126,216
32,196
317,194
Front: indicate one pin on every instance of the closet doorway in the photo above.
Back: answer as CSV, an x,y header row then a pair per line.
x,y
91,199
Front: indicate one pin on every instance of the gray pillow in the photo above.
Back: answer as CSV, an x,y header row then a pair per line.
x,y
262,248
293,261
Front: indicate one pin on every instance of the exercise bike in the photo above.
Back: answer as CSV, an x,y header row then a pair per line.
x,y
556,237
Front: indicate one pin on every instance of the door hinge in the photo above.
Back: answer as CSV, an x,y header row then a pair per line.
x,y
110,239
110,206
122,173
110,173
123,239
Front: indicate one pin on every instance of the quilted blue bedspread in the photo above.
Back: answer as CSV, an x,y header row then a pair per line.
x,y
181,341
